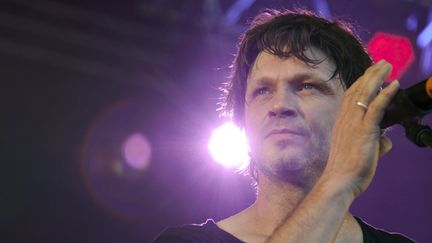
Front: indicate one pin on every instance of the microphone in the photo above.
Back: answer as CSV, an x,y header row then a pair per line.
x,y
410,103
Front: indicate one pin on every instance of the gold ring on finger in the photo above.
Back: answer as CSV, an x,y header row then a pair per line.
x,y
359,103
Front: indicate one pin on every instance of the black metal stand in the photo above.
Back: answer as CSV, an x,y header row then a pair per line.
x,y
419,134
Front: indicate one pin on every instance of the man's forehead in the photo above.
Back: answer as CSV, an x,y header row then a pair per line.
x,y
266,64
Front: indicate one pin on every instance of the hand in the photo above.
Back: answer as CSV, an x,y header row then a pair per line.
x,y
357,143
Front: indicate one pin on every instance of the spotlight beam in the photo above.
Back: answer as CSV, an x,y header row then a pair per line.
x,y
322,7
235,11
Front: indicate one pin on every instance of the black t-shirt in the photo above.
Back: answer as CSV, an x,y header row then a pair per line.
x,y
209,232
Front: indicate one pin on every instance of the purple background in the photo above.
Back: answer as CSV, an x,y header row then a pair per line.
x,y
79,77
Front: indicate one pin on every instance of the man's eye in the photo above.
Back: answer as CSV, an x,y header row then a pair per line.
x,y
315,88
261,91
307,86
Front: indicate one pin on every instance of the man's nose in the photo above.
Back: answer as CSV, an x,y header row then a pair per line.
x,y
283,106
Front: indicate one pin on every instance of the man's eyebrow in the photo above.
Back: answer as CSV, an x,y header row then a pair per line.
x,y
265,80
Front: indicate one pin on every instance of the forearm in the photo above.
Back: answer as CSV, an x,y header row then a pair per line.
x,y
318,217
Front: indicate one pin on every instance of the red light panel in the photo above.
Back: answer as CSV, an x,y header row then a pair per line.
x,y
395,49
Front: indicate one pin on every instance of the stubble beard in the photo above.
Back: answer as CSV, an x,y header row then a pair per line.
x,y
301,170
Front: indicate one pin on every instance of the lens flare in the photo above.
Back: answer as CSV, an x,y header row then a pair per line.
x,y
228,146
137,151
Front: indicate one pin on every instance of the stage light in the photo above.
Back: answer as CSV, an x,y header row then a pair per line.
x,y
322,7
426,60
136,151
411,23
228,146
395,49
235,11
425,37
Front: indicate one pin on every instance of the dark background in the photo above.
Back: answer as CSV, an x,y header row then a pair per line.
x,y
78,77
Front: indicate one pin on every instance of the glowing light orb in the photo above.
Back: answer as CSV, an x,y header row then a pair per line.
x,y
395,49
137,151
228,146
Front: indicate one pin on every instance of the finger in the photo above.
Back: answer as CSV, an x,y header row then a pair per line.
x,y
362,79
372,81
385,146
377,107
365,89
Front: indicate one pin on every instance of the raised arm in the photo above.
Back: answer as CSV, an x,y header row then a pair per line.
x,y
356,146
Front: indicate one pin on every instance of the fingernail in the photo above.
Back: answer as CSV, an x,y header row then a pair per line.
x,y
381,62
395,83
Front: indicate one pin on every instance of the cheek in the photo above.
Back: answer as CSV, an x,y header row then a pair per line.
x,y
251,126
324,119
254,123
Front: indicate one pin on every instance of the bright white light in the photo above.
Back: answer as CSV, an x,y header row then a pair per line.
x,y
228,146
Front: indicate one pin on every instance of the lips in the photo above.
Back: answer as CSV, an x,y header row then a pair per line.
x,y
285,131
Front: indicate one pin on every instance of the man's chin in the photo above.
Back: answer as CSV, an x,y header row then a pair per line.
x,y
291,163
286,143
292,159
295,170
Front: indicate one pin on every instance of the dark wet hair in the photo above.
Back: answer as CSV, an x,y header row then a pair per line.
x,y
286,34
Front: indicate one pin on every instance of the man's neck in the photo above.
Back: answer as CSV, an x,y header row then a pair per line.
x,y
276,200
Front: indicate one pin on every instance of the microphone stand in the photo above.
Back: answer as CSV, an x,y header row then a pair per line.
x,y
419,134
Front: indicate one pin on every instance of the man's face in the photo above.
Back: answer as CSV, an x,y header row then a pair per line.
x,y
290,110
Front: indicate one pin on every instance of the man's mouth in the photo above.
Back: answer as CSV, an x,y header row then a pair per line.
x,y
284,131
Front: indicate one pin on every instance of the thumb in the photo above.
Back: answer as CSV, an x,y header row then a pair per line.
x,y
385,146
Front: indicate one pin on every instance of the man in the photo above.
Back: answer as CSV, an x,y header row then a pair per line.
x,y
309,99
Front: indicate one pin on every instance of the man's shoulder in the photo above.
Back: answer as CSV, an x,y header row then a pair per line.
x,y
205,232
375,235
